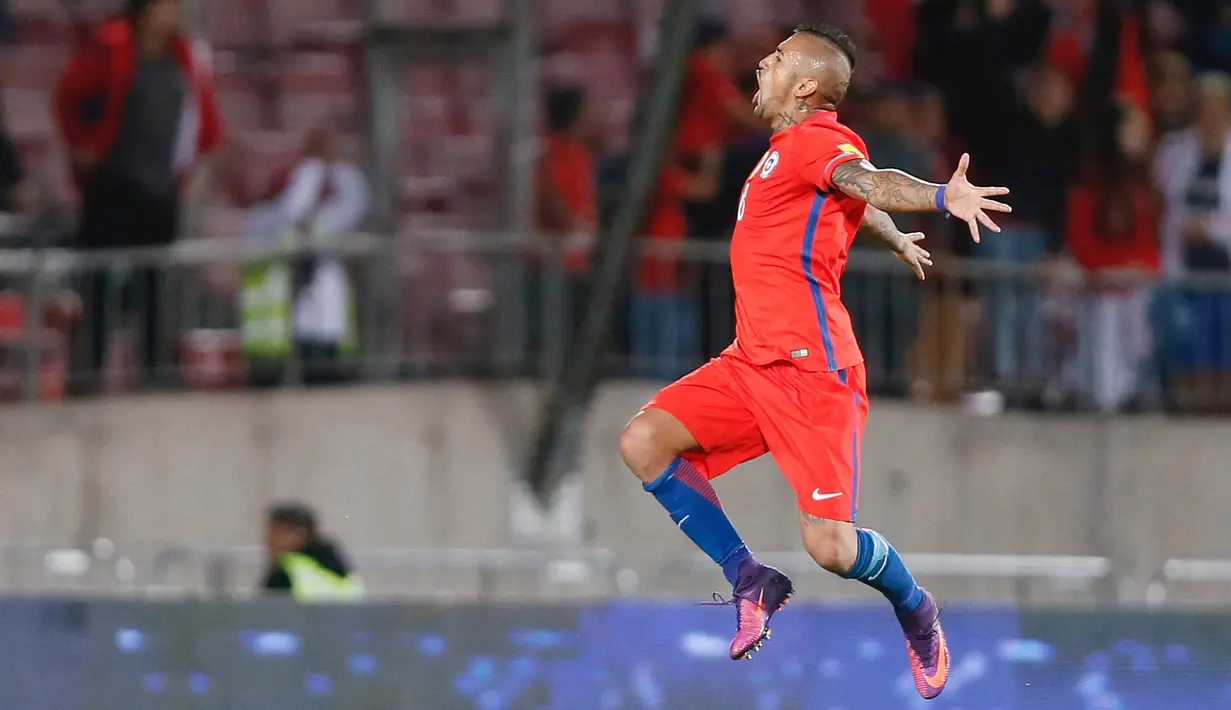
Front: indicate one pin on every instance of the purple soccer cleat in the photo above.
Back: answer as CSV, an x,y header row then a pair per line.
x,y
926,645
760,592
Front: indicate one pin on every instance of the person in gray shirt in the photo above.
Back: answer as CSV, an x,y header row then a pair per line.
x,y
136,107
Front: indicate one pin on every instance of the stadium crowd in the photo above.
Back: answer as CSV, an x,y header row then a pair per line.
x,y
1109,121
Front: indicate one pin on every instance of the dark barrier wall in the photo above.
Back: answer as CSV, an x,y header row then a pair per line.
x,y
65,655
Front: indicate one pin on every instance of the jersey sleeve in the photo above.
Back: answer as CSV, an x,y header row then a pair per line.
x,y
825,149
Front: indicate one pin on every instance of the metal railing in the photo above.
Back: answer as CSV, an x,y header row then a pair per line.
x,y
463,303
1189,571
137,570
142,570
1075,574
174,571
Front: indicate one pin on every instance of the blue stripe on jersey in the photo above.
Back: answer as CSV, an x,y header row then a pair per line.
x,y
818,300
855,462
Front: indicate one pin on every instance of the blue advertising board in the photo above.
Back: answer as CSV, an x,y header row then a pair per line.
x,y
70,655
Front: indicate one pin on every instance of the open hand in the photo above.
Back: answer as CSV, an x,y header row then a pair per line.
x,y
908,250
971,204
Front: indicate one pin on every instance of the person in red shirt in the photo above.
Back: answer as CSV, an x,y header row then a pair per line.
x,y
711,109
1113,236
136,107
664,317
793,383
567,206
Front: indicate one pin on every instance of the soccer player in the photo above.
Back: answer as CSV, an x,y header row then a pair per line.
x,y
793,384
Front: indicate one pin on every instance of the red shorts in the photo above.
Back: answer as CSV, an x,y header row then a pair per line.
x,y
812,423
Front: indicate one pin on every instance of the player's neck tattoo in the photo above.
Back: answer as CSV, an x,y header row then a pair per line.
x,y
786,119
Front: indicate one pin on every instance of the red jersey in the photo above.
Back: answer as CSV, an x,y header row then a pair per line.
x,y
702,120
793,231
666,222
567,167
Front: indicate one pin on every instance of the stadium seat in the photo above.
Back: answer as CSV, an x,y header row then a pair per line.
x,y
262,153
241,110
316,23
475,11
40,21
211,359
318,73
302,112
559,15
234,23
429,11
33,66
17,340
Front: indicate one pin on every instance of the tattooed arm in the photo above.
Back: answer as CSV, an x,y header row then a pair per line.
x,y
895,191
877,223
905,246
887,190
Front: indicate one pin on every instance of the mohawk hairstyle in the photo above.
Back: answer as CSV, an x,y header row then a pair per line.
x,y
837,37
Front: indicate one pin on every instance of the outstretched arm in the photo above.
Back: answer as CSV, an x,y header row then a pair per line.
x,y
887,190
877,223
880,225
895,191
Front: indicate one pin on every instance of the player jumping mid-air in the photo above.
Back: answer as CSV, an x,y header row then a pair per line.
x,y
793,384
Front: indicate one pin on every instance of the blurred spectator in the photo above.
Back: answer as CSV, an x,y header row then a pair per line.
x,y
1071,35
17,195
136,107
302,562
883,306
720,140
894,23
20,338
310,205
1171,92
665,314
1193,174
1207,33
943,353
970,50
1036,161
1113,236
6,23
1193,170
568,212
710,105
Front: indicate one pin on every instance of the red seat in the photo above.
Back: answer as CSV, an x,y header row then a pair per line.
x,y
234,23
16,339
317,73
241,110
262,153
557,15
416,10
12,315
302,112
475,11
39,20
212,359
314,22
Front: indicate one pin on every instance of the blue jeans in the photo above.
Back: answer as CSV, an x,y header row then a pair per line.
x,y
1014,322
664,334
1190,331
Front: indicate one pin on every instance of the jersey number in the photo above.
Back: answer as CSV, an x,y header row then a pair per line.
x,y
743,200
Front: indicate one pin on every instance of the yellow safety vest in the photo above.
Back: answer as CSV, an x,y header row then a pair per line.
x,y
266,299
310,582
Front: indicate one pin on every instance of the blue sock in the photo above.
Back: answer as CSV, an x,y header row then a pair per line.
x,y
690,499
880,567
